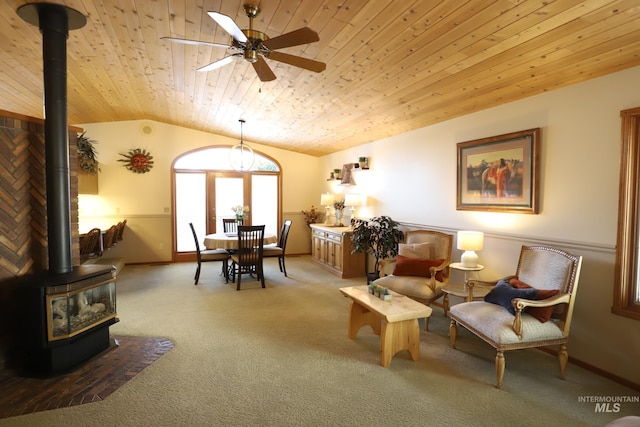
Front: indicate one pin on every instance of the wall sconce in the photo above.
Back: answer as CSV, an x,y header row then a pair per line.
x,y
327,200
469,242
353,201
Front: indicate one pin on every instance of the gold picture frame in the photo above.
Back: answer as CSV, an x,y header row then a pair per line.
x,y
499,173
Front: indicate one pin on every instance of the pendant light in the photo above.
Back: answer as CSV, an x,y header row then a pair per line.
x,y
241,156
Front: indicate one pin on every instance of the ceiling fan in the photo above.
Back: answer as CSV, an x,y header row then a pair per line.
x,y
254,46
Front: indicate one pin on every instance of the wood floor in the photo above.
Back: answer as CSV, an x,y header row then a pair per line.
x,y
93,381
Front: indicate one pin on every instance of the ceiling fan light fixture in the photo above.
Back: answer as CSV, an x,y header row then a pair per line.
x,y
251,55
254,46
241,156
251,10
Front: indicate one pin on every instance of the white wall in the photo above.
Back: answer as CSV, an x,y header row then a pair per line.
x,y
145,199
413,180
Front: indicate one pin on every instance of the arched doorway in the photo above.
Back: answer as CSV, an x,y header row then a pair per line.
x,y
205,188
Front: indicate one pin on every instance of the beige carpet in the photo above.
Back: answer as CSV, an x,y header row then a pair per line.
x,y
280,357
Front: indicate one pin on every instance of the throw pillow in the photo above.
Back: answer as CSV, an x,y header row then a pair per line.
x,y
503,293
416,267
543,314
415,250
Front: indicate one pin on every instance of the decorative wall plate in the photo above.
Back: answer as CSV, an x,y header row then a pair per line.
x,y
137,160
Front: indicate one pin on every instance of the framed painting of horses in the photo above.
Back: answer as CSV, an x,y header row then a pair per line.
x,y
499,173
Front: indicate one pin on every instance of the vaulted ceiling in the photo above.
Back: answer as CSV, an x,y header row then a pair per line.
x,y
392,66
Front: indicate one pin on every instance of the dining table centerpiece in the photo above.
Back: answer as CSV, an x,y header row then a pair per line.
x,y
240,212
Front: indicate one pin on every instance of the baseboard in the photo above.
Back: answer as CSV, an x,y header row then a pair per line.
x,y
595,369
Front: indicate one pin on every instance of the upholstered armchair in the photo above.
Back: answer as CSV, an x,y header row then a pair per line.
x,y
421,269
533,308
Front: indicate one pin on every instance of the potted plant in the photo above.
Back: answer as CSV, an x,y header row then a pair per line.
x,y
364,162
378,236
87,154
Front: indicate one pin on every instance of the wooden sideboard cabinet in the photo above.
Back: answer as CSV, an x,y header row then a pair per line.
x,y
331,248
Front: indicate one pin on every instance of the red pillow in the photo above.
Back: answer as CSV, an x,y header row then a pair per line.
x,y
416,267
543,314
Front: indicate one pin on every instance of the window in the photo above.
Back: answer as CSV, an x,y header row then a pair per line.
x,y
206,188
626,297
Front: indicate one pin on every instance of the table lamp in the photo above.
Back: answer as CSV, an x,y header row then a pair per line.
x,y
327,200
353,201
469,242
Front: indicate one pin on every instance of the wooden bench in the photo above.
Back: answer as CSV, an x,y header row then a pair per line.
x,y
396,321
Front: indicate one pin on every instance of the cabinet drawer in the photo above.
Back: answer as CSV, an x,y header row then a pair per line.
x,y
334,237
318,233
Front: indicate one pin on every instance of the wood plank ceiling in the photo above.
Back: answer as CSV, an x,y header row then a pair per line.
x,y
392,66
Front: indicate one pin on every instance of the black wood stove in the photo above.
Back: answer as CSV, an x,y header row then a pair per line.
x,y
69,318
65,312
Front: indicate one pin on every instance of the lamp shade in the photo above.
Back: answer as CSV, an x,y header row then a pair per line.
x,y
327,199
469,242
353,200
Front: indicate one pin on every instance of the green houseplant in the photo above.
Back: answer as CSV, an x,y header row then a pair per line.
x,y
378,236
87,154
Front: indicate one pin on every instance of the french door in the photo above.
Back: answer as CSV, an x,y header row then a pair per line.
x,y
224,191
204,198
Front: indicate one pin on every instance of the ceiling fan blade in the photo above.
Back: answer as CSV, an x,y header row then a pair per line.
x,y
298,61
294,38
219,63
263,70
194,42
229,26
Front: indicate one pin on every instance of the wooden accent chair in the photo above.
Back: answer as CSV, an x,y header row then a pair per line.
x,y
248,258
230,225
271,251
90,244
209,255
554,274
421,269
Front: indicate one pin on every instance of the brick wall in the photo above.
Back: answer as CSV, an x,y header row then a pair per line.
x,y
23,211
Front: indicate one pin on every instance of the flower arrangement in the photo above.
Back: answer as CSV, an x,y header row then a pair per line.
x,y
338,204
240,212
310,216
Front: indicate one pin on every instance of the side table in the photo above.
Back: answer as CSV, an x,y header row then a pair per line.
x,y
461,290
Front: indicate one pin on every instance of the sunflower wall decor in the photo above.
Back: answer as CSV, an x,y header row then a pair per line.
x,y
137,160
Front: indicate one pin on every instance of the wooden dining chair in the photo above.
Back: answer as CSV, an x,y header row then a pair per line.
x,y
230,225
209,255
90,246
273,251
109,237
120,230
248,258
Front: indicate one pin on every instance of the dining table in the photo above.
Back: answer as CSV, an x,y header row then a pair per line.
x,y
229,241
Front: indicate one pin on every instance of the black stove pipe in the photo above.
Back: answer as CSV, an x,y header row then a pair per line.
x,y
53,26
54,22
